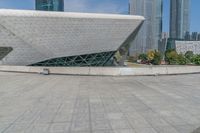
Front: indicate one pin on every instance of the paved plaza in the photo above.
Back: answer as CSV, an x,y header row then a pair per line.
x,y
31,103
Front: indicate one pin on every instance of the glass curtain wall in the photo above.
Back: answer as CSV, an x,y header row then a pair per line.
x,y
179,18
151,31
50,5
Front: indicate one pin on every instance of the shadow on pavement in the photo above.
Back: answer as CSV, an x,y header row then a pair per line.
x,y
197,130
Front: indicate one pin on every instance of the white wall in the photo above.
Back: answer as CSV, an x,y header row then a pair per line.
x,y
184,46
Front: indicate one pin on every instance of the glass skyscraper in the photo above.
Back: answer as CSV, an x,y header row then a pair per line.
x,y
150,34
50,5
179,18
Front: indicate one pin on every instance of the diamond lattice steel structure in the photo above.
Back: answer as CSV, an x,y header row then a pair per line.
x,y
100,59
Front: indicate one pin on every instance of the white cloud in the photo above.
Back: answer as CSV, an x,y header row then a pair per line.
x,y
76,5
104,6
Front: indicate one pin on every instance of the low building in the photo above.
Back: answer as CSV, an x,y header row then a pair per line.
x,y
184,46
63,39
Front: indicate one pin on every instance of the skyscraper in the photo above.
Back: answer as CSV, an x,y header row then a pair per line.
x,y
194,36
150,34
50,5
199,37
179,18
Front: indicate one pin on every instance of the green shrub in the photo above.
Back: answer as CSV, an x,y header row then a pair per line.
x,y
154,57
181,60
171,56
150,55
118,56
143,57
196,59
157,58
189,55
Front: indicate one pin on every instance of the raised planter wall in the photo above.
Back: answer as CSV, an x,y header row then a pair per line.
x,y
107,71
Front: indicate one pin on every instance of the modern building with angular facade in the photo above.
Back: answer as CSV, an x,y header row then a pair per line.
x,y
179,18
149,36
49,5
42,38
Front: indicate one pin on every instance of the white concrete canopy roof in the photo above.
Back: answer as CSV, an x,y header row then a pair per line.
x,y
36,36
32,13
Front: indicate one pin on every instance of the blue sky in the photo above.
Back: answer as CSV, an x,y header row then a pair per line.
x,y
107,6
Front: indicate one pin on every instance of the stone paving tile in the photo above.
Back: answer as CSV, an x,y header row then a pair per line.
x,y
185,128
98,116
80,126
157,121
145,130
101,125
175,120
168,129
103,131
139,123
63,117
124,131
81,117
119,124
115,116
16,128
190,119
59,127
97,109
38,128
3,127
44,118
76,104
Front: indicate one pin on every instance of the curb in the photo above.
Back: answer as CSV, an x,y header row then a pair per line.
x,y
106,71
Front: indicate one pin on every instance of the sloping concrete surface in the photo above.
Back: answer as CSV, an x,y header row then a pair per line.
x,y
31,103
